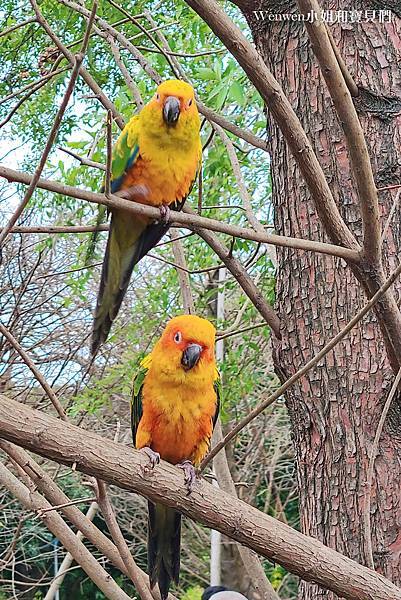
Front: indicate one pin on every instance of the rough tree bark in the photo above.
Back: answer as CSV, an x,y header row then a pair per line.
x,y
335,410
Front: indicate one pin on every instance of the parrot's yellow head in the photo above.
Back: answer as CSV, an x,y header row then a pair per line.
x,y
172,113
186,347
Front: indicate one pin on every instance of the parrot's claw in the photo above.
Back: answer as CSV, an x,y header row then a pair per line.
x,y
154,459
164,214
189,475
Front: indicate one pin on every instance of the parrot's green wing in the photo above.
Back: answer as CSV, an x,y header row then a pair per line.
x,y
125,153
219,394
136,399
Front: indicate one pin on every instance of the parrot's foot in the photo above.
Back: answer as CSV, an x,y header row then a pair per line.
x,y
164,214
189,474
154,459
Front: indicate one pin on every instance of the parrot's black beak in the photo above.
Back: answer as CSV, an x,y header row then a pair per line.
x,y
191,356
171,110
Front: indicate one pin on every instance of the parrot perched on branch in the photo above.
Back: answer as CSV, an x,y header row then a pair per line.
x,y
174,408
155,162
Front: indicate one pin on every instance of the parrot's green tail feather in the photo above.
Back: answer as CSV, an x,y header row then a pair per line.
x,y
164,538
122,253
130,238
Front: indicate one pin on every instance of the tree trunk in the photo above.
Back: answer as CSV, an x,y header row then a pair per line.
x,y
335,409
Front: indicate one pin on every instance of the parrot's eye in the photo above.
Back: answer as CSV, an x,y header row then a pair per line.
x,y
178,337
157,97
190,102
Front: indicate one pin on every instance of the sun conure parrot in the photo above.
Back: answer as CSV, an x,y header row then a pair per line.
x,y
155,162
174,408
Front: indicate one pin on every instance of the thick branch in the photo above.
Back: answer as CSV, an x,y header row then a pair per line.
x,y
358,151
282,111
121,466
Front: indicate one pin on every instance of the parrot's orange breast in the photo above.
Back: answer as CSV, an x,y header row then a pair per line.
x,y
179,422
168,179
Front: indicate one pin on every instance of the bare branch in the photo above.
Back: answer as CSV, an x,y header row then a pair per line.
x,y
281,109
109,141
301,372
87,77
373,455
68,559
149,70
110,518
55,495
55,523
351,85
133,88
243,279
37,374
78,59
86,162
58,229
183,275
17,26
191,221
358,151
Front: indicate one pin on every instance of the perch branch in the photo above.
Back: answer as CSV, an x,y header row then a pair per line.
x,y
122,466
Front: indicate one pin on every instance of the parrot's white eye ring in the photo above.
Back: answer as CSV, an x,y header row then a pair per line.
x,y
178,337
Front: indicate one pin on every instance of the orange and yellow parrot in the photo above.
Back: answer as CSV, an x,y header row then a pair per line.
x,y
174,408
154,162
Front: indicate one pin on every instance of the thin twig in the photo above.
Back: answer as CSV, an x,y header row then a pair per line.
x,y
118,538
41,511
129,82
109,123
17,26
390,216
34,84
37,374
83,160
86,76
183,275
369,479
224,336
58,229
52,136
301,372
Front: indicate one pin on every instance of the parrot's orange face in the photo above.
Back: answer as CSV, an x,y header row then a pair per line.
x,y
176,101
188,342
